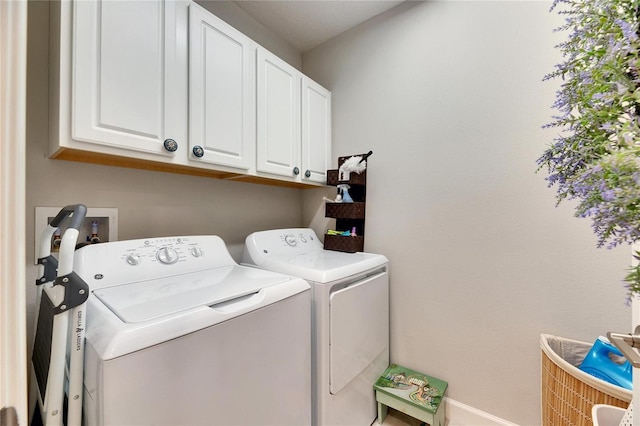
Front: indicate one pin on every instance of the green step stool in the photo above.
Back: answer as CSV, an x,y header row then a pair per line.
x,y
415,394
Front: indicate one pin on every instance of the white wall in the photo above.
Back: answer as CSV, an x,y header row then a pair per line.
x,y
13,86
233,15
149,203
448,95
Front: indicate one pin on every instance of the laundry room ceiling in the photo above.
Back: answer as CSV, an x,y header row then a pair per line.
x,y
304,24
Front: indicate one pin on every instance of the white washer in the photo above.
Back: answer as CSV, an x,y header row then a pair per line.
x,y
350,319
179,334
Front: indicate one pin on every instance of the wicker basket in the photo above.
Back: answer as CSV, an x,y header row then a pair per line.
x,y
346,244
568,394
345,210
354,179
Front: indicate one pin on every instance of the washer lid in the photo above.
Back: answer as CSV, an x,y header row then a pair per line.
x,y
148,300
323,266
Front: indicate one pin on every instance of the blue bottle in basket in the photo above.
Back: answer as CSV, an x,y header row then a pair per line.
x,y
607,363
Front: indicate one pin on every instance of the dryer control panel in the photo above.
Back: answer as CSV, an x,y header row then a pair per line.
x,y
283,242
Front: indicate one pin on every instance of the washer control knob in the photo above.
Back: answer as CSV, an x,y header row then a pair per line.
x,y
302,238
196,252
291,240
133,259
167,255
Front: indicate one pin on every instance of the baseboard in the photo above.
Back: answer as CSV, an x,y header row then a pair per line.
x,y
459,414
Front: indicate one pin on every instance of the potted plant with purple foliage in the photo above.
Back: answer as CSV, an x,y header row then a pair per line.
x,y
595,160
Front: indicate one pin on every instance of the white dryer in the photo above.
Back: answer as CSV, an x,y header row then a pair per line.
x,y
179,334
350,319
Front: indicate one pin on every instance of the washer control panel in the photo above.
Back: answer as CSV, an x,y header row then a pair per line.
x,y
165,251
122,262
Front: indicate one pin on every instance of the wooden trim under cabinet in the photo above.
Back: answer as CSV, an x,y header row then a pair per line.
x,y
112,160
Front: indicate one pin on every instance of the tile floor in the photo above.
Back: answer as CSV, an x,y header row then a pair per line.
x,y
396,418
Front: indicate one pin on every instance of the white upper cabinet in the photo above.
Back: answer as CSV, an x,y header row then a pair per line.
x,y
222,92
129,75
278,116
166,85
316,131
294,122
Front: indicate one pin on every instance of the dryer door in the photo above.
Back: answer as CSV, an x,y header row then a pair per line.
x,y
359,327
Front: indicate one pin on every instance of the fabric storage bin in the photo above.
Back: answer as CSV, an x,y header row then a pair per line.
x,y
353,210
568,394
346,244
354,178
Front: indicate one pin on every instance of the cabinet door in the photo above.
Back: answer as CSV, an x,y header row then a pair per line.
x,y
126,78
221,92
278,145
316,131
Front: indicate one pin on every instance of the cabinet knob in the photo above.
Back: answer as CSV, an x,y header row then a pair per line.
x,y
307,173
296,171
170,145
198,151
